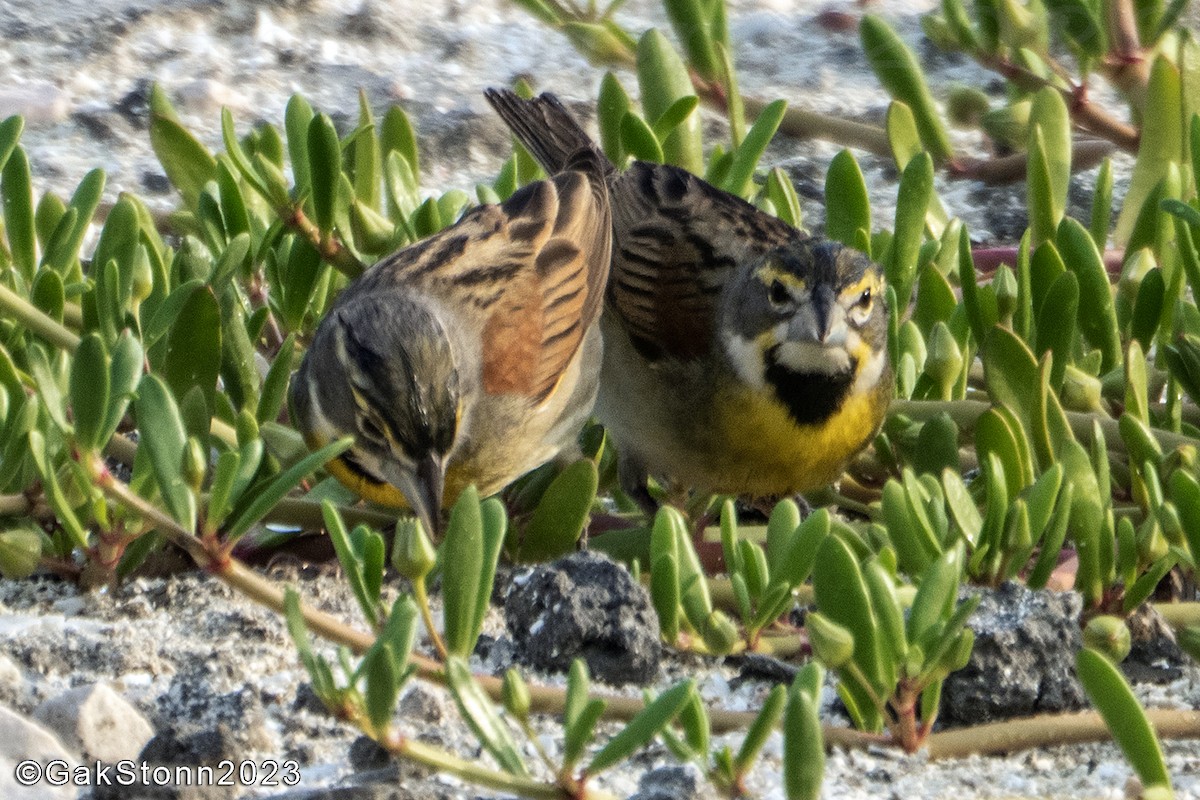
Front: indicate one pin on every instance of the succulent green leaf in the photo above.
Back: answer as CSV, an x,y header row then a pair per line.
x,y
16,194
1101,216
233,203
1147,308
601,43
916,190
665,595
296,120
746,156
886,603
781,527
274,389
352,563
562,514
1126,719
961,505
782,193
302,270
981,314
48,294
696,726
90,379
22,419
383,685
995,436
20,552
903,137
580,714
162,434
193,355
124,373
10,134
914,547
236,155
266,497
674,116
480,713
1147,582
462,565
936,301
188,163
897,69
842,595
937,444
220,492
1050,117
729,538
756,735
639,140
935,596
1080,24
316,666
62,251
1185,492
643,727
1160,143
803,747
325,170
664,79
611,108
691,24
847,207
1056,325
396,134
372,554
368,157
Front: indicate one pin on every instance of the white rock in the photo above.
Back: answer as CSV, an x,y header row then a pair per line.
x,y
96,722
38,102
207,96
10,673
23,740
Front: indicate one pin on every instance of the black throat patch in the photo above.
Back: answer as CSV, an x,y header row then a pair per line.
x,y
811,397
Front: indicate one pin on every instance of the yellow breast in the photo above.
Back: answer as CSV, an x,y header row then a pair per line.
x,y
761,451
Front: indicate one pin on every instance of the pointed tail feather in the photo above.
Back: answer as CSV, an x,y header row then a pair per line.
x,y
546,129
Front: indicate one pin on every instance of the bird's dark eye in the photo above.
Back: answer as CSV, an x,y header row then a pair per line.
x,y
864,300
778,293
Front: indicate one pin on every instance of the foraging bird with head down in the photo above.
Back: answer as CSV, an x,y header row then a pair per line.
x,y
470,357
741,355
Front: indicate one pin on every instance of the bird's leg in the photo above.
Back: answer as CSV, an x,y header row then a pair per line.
x,y
632,475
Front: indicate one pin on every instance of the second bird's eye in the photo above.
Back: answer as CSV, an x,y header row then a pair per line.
x,y
778,293
864,299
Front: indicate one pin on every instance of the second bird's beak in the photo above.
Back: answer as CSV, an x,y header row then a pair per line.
x,y
424,490
814,320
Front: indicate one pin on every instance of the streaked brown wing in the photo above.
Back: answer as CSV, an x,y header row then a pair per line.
x,y
677,239
534,269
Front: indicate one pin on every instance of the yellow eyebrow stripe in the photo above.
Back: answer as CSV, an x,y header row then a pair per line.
x,y
770,272
867,281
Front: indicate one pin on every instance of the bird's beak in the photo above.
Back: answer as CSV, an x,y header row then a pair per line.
x,y
823,300
424,490
815,320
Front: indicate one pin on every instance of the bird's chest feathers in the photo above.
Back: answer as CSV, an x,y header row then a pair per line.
x,y
797,430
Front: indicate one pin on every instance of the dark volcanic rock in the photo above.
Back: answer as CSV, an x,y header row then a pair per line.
x,y
1024,658
585,606
673,783
1155,656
